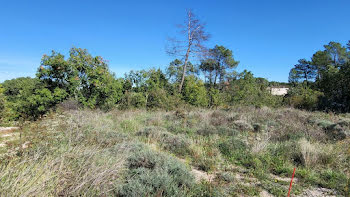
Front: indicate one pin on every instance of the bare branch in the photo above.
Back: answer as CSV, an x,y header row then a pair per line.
x,y
192,44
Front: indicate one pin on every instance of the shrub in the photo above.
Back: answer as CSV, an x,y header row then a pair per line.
x,y
178,144
206,189
29,99
243,125
158,98
207,131
333,179
82,76
138,100
236,150
194,92
218,118
225,176
303,97
310,152
337,131
284,152
3,105
151,173
69,104
204,163
334,131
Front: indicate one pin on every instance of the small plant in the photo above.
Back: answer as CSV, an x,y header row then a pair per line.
x,y
178,144
243,125
218,118
154,174
225,176
204,163
207,131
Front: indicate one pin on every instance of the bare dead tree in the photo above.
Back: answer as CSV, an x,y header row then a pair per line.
x,y
191,44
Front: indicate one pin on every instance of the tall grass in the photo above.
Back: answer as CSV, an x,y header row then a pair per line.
x,y
140,153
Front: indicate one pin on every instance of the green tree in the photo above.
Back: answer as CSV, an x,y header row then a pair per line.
x,y
293,76
337,53
192,44
215,97
218,65
175,69
303,97
3,105
332,77
304,70
321,60
29,99
194,92
248,90
84,77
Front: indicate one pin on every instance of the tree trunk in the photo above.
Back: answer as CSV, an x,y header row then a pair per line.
x,y
184,69
188,50
210,78
215,78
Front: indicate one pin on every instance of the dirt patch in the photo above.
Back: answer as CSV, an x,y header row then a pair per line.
x,y
4,130
265,193
201,175
7,134
318,192
283,179
198,174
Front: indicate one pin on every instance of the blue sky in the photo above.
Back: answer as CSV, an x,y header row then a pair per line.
x,y
267,37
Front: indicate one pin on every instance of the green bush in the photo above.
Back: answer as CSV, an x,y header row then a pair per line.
x,y
138,100
206,189
204,163
84,77
177,144
158,98
303,97
236,151
194,92
333,179
225,176
218,118
3,106
29,99
151,173
207,131
248,90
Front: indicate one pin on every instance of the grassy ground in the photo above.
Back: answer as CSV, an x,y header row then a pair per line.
x,y
241,151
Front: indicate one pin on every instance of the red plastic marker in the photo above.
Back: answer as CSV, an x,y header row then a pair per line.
x,y
291,182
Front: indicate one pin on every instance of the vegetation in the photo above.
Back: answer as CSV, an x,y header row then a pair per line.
x,y
88,81
240,151
195,128
325,77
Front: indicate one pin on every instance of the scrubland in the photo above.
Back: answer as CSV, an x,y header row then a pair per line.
x,y
241,151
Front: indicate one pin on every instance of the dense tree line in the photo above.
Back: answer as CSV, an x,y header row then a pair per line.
x,y
88,81
323,82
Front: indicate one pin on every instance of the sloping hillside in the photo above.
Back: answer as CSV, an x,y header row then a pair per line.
x,y
242,151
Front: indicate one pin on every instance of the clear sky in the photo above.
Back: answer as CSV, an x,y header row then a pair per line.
x,y
266,36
